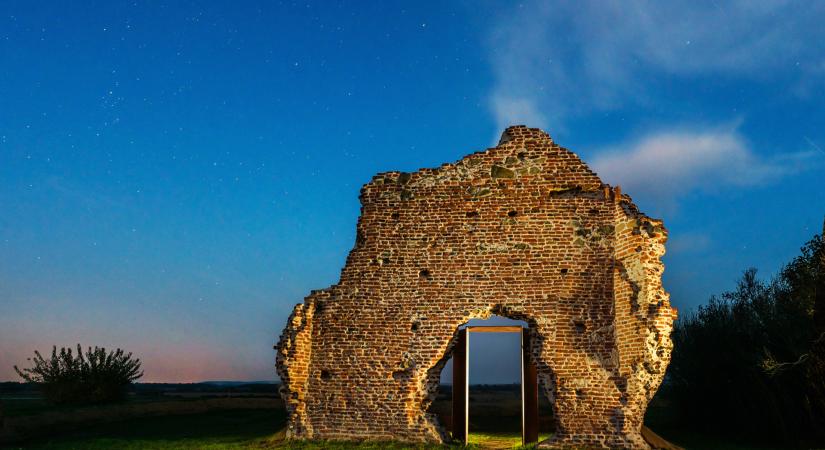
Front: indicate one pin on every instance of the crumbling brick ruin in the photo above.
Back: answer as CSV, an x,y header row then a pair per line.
x,y
523,230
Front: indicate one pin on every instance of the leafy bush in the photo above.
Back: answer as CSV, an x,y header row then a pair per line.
x,y
740,363
94,377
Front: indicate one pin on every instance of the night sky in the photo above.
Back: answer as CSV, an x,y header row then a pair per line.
x,y
174,177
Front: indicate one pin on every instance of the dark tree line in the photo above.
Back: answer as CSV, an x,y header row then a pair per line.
x,y
752,361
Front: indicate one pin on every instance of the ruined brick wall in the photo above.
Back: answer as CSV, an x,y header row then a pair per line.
x,y
523,230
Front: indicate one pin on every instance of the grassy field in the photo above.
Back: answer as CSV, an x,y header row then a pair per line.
x,y
494,423
24,400
35,404
262,429
246,429
251,429
224,429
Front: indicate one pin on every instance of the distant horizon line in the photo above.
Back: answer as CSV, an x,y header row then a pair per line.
x,y
240,382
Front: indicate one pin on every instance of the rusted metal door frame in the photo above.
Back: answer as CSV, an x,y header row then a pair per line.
x,y
461,385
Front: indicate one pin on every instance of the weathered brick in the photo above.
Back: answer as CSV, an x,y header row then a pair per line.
x,y
523,230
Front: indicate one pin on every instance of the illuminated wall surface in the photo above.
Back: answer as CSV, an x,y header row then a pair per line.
x,y
523,230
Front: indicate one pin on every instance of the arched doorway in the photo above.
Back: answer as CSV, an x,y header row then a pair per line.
x,y
461,379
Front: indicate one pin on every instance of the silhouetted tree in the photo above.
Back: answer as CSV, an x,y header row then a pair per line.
x,y
743,362
94,377
816,363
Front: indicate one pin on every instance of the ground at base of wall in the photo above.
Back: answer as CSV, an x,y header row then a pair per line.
x,y
500,441
263,429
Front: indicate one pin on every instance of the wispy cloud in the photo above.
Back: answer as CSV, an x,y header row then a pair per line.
x,y
556,60
515,110
688,242
666,165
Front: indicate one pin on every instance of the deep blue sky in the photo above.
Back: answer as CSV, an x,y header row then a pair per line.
x,y
174,177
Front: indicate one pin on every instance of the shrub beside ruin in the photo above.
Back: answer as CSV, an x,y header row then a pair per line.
x,y
93,376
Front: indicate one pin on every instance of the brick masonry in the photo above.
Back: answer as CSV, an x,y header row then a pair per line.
x,y
524,230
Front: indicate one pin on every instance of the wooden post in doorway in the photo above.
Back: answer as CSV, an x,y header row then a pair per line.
x,y
529,393
460,388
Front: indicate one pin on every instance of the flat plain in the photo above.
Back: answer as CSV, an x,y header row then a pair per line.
x,y
494,424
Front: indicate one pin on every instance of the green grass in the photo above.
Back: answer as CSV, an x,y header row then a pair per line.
x,y
261,429
25,405
376,445
239,429
492,423
30,404
510,440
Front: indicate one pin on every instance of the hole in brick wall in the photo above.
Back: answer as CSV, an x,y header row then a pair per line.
x,y
564,271
521,156
579,325
414,326
495,403
424,273
395,216
400,375
326,375
472,213
512,214
580,394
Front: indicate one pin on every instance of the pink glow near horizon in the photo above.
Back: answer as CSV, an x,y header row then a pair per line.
x,y
178,363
